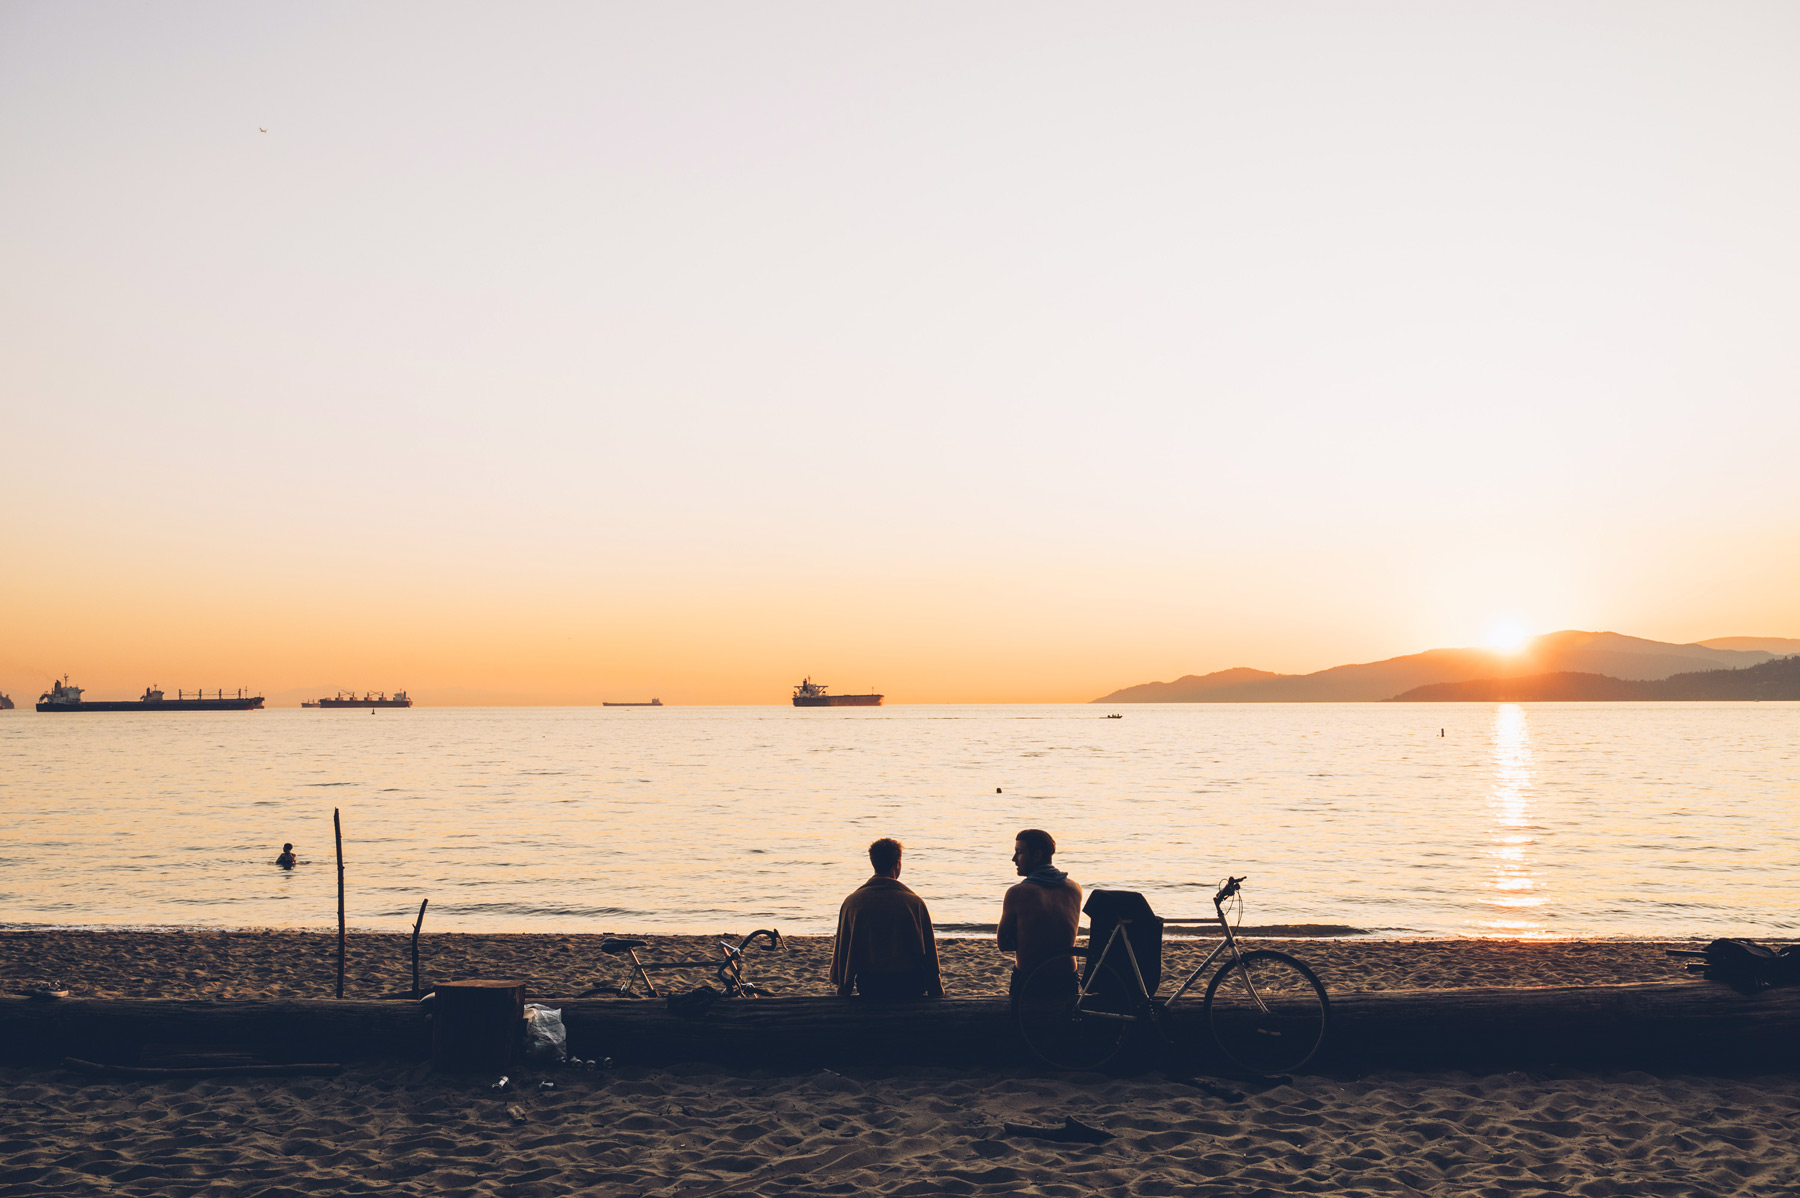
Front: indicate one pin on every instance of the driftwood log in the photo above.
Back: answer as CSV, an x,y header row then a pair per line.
x,y
1667,1024
164,1073
117,1031
1696,1025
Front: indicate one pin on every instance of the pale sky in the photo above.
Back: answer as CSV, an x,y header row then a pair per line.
x,y
970,352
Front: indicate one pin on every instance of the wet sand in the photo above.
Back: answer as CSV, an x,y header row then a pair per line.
x,y
289,964
696,1130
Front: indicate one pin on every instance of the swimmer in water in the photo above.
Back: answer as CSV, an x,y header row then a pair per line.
x,y
286,860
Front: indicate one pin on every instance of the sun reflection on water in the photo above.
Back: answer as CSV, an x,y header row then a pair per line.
x,y
1513,884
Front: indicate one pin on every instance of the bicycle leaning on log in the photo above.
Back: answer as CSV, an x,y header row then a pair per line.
x,y
727,969
1265,1011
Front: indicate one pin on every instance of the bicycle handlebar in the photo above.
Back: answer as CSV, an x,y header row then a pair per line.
x,y
1227,890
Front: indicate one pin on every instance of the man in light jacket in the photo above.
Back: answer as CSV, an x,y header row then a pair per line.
x,y
885,948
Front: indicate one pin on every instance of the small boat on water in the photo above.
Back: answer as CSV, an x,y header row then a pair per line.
x,y
63,697
651,703
369,699
6,703
816,694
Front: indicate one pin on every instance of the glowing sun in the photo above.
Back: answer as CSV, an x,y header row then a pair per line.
x,y
1507,636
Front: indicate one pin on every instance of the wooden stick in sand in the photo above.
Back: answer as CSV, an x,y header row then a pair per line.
x,y
419,923
337,829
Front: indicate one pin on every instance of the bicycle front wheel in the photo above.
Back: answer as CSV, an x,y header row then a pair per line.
x,y
1267,1012
1058,1025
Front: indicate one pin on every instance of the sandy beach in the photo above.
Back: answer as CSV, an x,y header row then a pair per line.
x,y
303,964
699,1130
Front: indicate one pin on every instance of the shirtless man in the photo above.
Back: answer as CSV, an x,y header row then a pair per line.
x,y
1040,915
286,860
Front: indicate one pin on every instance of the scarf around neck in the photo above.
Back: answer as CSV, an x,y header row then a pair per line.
x,y
1047,875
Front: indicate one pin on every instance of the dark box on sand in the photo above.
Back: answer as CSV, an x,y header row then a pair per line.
x,y
476,1025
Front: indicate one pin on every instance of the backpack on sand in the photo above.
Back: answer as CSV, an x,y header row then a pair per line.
x,y
1744,965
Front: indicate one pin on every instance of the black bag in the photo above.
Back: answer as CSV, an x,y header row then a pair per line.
x,y
1746,966
1105,910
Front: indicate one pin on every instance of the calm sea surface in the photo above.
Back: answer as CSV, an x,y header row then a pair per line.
x,y
1533,820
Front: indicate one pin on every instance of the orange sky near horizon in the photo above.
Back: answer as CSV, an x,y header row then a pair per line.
x,y
1022,354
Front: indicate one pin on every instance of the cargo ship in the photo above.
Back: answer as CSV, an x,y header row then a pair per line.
x,y
63,697
376,699
813,694
651,703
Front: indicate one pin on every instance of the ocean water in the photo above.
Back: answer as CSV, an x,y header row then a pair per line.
x,y
1518,820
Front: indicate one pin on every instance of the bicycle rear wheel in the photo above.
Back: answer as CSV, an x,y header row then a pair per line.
x,y
1061,1032
1267,1012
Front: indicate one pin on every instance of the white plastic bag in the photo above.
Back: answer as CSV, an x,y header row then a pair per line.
x,y
546,1041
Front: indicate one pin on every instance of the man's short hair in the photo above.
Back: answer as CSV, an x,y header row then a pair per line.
x,y
884,854
1039,842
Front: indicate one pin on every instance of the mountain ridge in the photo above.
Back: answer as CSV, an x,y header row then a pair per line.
x,y
1777,681
1605,654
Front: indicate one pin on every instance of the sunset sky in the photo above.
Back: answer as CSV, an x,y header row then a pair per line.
x,y
969,352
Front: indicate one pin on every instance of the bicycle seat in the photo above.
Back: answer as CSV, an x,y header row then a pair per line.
x,y
615,947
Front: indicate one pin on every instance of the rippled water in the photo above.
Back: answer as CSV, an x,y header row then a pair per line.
x,y
1552,819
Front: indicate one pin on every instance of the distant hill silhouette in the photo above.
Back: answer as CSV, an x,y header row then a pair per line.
x,y
1608,654
1780,646
1776,680
1191,688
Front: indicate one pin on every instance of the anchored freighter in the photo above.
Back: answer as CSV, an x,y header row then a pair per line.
x,y
375,699
63,697
813,694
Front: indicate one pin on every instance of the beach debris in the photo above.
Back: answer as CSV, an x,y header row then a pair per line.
x,y
518,1115
830,1079
44,991
1222,1093
546,1084
546,1040
501,1084
1072,1131
604,1064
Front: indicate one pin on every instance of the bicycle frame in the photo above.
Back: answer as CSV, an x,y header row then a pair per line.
x,y
729,971
1226,946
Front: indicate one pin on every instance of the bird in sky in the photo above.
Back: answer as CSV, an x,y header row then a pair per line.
x,y
260,129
